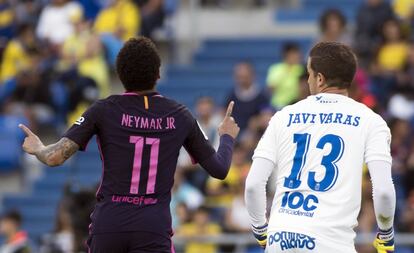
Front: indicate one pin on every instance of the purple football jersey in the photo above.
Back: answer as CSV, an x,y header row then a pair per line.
x,y
139,138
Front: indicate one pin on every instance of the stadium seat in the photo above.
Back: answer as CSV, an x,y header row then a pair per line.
x,y
11,137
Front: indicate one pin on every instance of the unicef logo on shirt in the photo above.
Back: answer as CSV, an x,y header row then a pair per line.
x,y
291,240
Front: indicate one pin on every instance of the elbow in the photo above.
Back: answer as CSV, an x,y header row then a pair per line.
x,y
386,196
251,187
221,175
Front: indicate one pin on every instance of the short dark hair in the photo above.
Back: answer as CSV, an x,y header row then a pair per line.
x,y
138,64
247,63
335,61
326,15
13,216
290,47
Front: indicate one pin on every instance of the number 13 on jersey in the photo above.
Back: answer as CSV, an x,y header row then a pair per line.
x,y
328,162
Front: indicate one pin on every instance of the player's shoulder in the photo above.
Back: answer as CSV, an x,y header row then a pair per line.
x,y
174,105
365,111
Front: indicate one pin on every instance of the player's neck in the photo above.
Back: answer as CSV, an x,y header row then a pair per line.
x,y
335,90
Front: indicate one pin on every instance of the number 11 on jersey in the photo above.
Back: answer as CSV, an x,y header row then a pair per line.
x,y
139,142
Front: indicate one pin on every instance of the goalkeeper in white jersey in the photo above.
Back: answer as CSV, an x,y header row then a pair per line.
x,y
317,149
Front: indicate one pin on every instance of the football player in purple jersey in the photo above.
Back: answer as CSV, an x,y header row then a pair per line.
x,y
139,135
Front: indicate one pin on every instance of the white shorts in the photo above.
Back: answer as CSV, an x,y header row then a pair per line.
x,y
293,242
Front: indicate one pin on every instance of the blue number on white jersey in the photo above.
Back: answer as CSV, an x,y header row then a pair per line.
x,y
302,141
329,162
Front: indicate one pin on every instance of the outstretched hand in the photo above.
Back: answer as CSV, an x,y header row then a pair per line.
x,y
229,125
32,143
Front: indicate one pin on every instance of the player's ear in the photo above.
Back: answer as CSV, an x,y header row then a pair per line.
x,y
320,80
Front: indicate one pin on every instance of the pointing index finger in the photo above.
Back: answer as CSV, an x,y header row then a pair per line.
x,y
26,130
230,109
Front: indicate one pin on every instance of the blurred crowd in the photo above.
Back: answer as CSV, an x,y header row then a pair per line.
x,y
57,58
383,39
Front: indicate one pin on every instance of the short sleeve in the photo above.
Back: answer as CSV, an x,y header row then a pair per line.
x,y
378,142
267,147
85,127
197,144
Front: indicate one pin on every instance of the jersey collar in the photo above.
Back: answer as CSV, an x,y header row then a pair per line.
x,y
149,94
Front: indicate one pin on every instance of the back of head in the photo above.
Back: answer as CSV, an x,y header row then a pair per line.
x,y
138,64
329,15
335,61
289,47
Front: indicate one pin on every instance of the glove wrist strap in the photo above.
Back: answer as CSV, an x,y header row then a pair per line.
x,y
260,229
386,235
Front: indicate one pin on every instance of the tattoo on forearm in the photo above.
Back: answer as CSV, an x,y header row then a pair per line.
x,y
59,151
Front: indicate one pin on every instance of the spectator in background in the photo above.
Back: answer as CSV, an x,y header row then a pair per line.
x,y
55,24
256,129
405,77
391,59
409,179
404,9
283,78
407,219
200,226
180,215
186,194
153,15
27,11
62,239
16,55
16,239
83,50
220,193
121,18
370,19
91,7
332,25
392,54
7,18
401,104
209,120
249,98
116,23
30,94
359,90
237,218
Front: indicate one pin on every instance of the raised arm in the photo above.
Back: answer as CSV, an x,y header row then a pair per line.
x,y
217,164
51,155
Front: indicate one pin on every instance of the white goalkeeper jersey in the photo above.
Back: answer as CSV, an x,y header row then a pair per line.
x,y
319,146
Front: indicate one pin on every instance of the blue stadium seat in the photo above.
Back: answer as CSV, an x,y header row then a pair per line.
x,y
10,156
11,136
